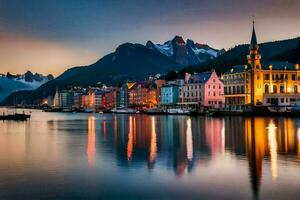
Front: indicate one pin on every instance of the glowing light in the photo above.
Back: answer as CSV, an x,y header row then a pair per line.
x,y
298,137
153,142
91,149
189,140
223,136
130,140
289,89
273,148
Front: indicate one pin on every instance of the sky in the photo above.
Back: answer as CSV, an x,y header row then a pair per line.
x,y
50,36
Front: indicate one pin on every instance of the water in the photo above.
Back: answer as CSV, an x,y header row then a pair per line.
x,y
107,156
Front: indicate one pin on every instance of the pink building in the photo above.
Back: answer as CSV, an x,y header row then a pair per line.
x,y
202,90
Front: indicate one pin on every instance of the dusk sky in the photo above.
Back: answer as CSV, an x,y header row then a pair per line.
x,y
51,36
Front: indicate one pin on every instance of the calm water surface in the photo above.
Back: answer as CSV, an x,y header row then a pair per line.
x,y
107,156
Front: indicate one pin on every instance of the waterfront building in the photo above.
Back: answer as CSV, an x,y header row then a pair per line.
x,y
56,99
159,84
66,99
122,96
108,100
203,90
169,94
261,83
143,95
63,99
77,99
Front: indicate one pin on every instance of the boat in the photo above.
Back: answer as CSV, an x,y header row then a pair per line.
x,y
124,111
16,117
89,110
180,111
153,111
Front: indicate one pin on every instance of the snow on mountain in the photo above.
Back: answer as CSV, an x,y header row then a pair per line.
x,y
166,48
11,83
185,53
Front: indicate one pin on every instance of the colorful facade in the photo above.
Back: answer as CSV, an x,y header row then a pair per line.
x,y
169,94
261,83
202,90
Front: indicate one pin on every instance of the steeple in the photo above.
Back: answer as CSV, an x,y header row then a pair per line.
x,y
254,56
253,38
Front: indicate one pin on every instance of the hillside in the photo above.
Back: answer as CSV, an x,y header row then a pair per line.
x,y
283,50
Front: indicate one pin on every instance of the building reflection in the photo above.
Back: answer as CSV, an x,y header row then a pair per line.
x,y
91,149
268,139
273,147
153,144
183,143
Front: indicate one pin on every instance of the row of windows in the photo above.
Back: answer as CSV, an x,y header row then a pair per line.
x,y
281,89
234,89
215,102
234,76
281,77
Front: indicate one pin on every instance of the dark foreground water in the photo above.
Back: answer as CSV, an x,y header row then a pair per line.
x,y
107,156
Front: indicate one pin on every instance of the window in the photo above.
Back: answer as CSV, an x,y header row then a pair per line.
x,y
242,89
281,76
295,88
274,89
294,77
281,88
267,76
282,100
266,88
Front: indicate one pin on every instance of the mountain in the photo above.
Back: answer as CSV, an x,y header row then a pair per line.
x,y
284,50
128,62
132,62
185,53
10,83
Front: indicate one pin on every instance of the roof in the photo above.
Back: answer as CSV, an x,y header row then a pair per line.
x,y
236,69
130,85
253,37
276,65
170,85
200,78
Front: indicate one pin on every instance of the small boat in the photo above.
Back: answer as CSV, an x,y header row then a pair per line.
x,y
16,117
124,111
180,111
153,111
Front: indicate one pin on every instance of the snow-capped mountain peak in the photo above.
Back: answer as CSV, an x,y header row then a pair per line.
x,y
185,53
10,83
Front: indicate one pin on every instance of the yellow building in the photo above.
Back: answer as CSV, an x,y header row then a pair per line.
x,y
261,83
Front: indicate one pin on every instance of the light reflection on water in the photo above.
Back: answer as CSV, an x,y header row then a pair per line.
x,y
66,155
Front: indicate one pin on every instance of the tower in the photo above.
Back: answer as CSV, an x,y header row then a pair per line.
x,y
256,73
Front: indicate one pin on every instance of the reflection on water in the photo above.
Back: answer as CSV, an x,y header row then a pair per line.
x,y
273,147
91,140
208,157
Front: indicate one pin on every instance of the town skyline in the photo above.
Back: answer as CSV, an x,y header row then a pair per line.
x,y
72,36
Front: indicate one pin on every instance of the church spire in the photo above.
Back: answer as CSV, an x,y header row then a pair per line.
x,y
253,38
